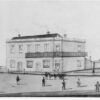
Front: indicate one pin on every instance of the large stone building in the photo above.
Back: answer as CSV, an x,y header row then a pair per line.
x,y
45,53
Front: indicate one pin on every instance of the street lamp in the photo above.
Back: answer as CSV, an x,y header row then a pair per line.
x,y
93,70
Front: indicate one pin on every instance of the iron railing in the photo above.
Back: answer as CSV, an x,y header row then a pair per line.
x,y
55,54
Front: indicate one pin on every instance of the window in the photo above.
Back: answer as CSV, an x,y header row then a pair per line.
x,y
46,47
57,47
29,64
28,47
20,48
57,65
12,48
46,63
78,63
20,66
37,47
79,48
12,63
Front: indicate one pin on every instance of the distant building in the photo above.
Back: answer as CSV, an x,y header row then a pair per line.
x,y
97,63
88,63
45,53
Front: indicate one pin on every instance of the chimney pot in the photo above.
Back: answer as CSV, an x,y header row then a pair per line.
x,y
19,35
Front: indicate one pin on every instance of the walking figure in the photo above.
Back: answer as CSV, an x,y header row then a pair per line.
x,y
78,83
63,85
97,86
17,80
43,81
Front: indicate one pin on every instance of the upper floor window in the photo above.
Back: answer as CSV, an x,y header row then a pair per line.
x,y
46,47
29,48
37,47
79,48
12,63
12,48
57,47
20,48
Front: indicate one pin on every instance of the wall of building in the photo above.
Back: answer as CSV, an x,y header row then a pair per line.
x,y
37,65
73,46
73,63
69,63
88,64
97,64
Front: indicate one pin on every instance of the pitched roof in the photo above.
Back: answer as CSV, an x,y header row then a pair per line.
x,y
37,36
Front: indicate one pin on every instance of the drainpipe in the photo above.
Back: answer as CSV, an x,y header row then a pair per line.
x,y
62,53
53,55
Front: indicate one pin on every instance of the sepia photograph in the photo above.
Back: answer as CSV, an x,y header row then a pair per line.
x,y
50,48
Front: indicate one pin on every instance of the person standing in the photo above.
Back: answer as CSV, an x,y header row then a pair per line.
x,y
97,85
78,83
43,81
17,79
63,85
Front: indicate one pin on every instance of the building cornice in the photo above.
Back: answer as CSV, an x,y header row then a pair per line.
x,y
27,41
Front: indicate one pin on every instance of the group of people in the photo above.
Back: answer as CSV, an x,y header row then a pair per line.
x,y
63,83
97,85
55,76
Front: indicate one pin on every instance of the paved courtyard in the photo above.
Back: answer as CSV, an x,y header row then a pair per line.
x,y
33,83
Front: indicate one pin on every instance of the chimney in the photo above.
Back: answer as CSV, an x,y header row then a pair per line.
x,y
19,35
48,32
65,35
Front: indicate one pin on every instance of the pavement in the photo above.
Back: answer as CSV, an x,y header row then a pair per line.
x,y
31,85
85,93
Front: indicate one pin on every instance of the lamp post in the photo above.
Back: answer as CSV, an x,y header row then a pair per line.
x,y
93,70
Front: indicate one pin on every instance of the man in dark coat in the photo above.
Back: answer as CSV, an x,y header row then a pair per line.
x,y
17,80
43,81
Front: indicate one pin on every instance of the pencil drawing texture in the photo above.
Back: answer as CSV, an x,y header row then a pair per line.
x,y
39,56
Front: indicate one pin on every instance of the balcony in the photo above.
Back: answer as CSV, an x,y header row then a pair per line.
x,y
55,54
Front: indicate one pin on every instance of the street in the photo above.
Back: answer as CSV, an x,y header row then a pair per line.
x,y
33,83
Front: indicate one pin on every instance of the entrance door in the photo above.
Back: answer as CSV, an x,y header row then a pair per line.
x,y
57,67
19,66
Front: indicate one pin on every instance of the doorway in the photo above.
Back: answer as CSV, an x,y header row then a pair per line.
x,y
19,66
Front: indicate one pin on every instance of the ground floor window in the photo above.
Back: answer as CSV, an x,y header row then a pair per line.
x,y
29,64
12,63
57,65
46,63
78,63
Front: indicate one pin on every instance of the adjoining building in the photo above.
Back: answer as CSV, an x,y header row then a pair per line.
x,y
45,53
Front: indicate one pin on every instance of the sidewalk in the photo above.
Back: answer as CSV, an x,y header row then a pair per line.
x,y
85,93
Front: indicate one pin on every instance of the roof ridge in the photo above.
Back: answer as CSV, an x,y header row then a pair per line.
x,y
37,36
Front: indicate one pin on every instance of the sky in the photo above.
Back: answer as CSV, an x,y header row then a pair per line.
x,y
76,18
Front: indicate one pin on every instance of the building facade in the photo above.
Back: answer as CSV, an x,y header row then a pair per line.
x,y
45,53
